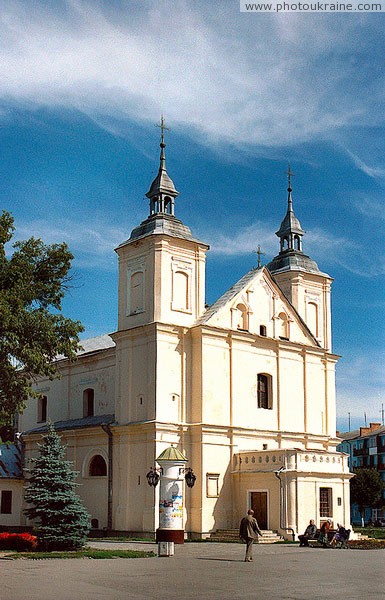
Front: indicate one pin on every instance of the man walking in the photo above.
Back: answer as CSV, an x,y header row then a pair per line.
x,y
248,532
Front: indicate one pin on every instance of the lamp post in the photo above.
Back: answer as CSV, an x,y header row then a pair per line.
x,y
278,474
171,474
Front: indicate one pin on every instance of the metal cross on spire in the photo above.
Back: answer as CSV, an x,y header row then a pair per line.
x,y
259,253
163,128
162,143
289,174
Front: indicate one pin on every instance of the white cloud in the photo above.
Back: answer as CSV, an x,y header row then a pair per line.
x,y
371,208
331,249
244,241
91,243
374,172
360,385
322,246
276,81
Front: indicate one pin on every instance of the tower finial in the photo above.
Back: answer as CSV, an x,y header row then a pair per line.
x,y
162,192
162,142
259,253
289,174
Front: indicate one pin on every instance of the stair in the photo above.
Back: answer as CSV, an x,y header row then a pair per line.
x,y
232,535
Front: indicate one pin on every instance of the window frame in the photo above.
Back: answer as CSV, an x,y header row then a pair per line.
x,y
42,409
90,464
325,502
264,396
212,479
6,502
88,398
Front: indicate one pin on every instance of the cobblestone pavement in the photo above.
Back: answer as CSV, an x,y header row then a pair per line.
x,y
201,570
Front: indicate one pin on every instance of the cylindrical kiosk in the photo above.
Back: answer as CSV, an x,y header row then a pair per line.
x,y
172,463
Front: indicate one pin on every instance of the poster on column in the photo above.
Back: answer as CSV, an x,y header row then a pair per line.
x,y
171,512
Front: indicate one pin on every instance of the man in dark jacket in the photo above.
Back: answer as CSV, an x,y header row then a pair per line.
x,y
248,532
309,534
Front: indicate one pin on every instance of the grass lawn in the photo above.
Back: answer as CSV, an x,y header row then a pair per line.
x,y
86,553
377,533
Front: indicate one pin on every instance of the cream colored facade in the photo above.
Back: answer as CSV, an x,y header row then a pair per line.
x,y
244,389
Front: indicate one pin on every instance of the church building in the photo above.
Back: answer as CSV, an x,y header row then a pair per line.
x,y
244,389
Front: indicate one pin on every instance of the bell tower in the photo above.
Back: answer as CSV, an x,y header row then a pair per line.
x,y
299,277
161,265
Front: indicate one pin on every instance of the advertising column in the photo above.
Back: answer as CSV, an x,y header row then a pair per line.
x,y
172,463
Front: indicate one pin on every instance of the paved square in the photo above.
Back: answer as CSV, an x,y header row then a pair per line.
x,y
202,570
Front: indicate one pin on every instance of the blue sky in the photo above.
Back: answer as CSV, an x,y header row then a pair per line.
x,y
82,85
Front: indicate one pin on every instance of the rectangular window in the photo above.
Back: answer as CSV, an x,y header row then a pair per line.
x,y
325,502
6,502
88,402
264,391
212,485
42,409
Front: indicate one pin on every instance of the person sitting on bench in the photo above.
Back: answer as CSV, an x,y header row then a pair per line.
x,y
323,534
309,534
339,536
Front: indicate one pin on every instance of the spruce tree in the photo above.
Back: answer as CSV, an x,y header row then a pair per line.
x,y
62,520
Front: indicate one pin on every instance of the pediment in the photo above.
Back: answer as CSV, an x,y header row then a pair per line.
x,y
257,304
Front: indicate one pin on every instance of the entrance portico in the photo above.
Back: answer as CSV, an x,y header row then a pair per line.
x,y
272,482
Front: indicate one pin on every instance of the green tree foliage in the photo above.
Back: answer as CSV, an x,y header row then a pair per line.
x,y
366,489
33,281
62,520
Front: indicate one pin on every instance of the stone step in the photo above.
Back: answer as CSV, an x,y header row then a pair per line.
x,y
232,535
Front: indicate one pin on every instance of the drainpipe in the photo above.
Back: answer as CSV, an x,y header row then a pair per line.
x,y
281,526
107,430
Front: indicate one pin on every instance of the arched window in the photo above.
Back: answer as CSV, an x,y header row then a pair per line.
x,y
283,326
136,292
94,523
262,330
88,402
242,320
312,318
264,391
297,242
98,466
181,291
168,205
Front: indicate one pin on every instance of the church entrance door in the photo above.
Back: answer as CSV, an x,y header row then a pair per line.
x,y
258,502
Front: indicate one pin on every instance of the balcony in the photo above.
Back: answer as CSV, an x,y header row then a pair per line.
x,y
361,452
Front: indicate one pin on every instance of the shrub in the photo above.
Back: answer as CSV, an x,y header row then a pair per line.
x,y
21,542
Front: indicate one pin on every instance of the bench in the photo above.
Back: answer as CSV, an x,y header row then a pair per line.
x,y
315,543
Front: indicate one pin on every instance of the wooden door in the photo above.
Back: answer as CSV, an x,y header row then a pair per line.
x,y
259,505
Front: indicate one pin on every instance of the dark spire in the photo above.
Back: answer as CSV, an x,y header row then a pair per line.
x,y
291,257
162,192
290,232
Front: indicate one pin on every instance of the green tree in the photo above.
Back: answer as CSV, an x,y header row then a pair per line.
x,y
366,489
33,281
62,520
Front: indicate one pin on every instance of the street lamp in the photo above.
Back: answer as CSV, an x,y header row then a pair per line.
x,y
153,476
189,477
